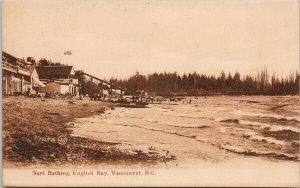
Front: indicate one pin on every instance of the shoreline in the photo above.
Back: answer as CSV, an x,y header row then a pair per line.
x,y
32,128
36,141
184,152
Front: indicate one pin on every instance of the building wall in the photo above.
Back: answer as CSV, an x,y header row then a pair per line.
x,y
54,88
74,90
4,85
26,87
51,87
11,83
65,89
116,91
105,92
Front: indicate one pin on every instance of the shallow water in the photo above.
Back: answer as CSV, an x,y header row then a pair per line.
x,y
256,125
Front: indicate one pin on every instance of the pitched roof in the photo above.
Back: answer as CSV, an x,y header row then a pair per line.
x,y
8,55
5,54
53,71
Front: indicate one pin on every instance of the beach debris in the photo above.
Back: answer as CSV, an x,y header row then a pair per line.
x,y
132,105
54,113
229,120
138,151
101,110
278,106
153,153
71,102
151,148
249,101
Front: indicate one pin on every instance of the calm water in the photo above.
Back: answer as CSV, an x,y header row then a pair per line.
x,y
258,125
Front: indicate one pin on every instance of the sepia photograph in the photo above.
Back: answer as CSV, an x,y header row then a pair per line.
x,y
150,93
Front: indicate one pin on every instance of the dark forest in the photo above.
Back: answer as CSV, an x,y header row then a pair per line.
x,y
201,84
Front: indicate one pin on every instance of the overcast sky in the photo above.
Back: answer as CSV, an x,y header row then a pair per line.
x,y
116,38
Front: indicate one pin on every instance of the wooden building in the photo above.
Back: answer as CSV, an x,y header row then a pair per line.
x,y
59,79
18,75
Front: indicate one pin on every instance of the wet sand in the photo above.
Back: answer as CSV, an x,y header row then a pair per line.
x,y
196,162
188,152
210,130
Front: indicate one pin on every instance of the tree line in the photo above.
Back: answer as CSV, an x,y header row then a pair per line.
x,y
201,84
262,83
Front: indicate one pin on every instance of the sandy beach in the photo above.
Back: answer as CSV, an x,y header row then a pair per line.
x,y
36,134
61,132
83,134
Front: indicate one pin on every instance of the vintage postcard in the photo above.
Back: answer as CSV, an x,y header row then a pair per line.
x,y
150,93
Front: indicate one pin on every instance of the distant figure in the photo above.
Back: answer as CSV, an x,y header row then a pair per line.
x,y
190,102
28,92
80,97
